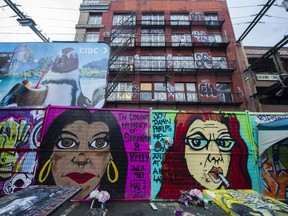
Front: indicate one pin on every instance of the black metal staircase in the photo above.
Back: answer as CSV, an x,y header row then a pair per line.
x,y
119,44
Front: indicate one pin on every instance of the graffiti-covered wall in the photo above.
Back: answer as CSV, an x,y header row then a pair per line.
x,y
270,133
19,142
103,149
143,154
200,150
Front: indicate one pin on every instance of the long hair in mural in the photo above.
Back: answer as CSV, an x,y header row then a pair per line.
x,y
208,152
86,147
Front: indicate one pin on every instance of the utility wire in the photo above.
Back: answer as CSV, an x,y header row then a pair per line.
x,y
24,19
256,19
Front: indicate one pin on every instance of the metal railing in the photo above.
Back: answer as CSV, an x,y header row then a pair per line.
x,y
175,65
179,96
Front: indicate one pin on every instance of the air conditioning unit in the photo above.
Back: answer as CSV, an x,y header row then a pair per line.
x,y
285,4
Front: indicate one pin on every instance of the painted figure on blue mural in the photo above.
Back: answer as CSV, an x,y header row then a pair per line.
x,y
208,152
85,148
274,164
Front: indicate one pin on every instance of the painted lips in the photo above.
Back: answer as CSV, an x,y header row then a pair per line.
x,y
80,178
213,173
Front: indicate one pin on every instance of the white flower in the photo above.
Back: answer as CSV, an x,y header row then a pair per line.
x,y
103,196
94,194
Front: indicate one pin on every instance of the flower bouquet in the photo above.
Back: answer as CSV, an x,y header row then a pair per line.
x,y
101,196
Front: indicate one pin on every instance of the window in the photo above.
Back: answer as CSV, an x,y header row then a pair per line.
x,y
122,92
224,92
92,37
146,91
215,37
181,63
122,39
152,37
211,19
179,19
152,63
153,92
185,92
95,19
219,62
160,92
124,19
181,40
122,61
152,19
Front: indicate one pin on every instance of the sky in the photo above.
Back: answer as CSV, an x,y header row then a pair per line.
x,y
57,20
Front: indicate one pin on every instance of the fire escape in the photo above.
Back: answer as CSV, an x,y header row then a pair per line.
x,y
122,37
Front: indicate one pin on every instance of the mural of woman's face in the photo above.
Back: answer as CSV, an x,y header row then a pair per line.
x,y
80,155
207,151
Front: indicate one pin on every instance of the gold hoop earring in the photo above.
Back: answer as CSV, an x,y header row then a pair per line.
x,y
47,165
115,172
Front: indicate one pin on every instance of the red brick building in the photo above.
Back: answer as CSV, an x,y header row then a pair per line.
x,y
166,54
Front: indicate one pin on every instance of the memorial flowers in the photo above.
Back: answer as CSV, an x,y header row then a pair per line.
x,y
101,196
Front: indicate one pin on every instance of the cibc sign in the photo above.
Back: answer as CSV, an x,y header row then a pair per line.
x,y
267,77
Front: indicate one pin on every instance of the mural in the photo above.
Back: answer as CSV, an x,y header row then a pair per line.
x,y
103,149
19,139
271,134
208,151
68,74
143,154
247,202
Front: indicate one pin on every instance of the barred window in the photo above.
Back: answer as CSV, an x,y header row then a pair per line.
x,y
219,62
211,19
119,38
153,92
124,19
186,92
181,63
181,40
152,37
152,19
122,92
179,19
152,63
224,92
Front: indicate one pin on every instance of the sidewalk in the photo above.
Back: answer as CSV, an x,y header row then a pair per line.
x,y
137,208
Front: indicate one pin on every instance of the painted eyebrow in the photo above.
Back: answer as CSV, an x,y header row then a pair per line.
x,y
198,133
225,133
105,133
70,133
194,128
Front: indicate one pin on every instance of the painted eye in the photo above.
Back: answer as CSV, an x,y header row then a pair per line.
x,y
99,143
225,144
66,143
197,144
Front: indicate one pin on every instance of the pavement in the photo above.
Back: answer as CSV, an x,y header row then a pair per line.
x,y
137,208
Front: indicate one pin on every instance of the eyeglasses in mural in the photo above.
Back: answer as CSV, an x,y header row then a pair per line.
x,y
207,151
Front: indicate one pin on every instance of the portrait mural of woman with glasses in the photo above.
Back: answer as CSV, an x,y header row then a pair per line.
x,y
208,153
83,147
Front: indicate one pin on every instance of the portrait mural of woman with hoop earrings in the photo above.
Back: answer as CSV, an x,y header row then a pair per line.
x,y
83,147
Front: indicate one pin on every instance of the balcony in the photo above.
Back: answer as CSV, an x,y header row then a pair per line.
x,y
190,97
197,39
185,65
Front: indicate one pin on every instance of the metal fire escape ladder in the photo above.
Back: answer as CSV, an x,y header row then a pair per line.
x,y
121,46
